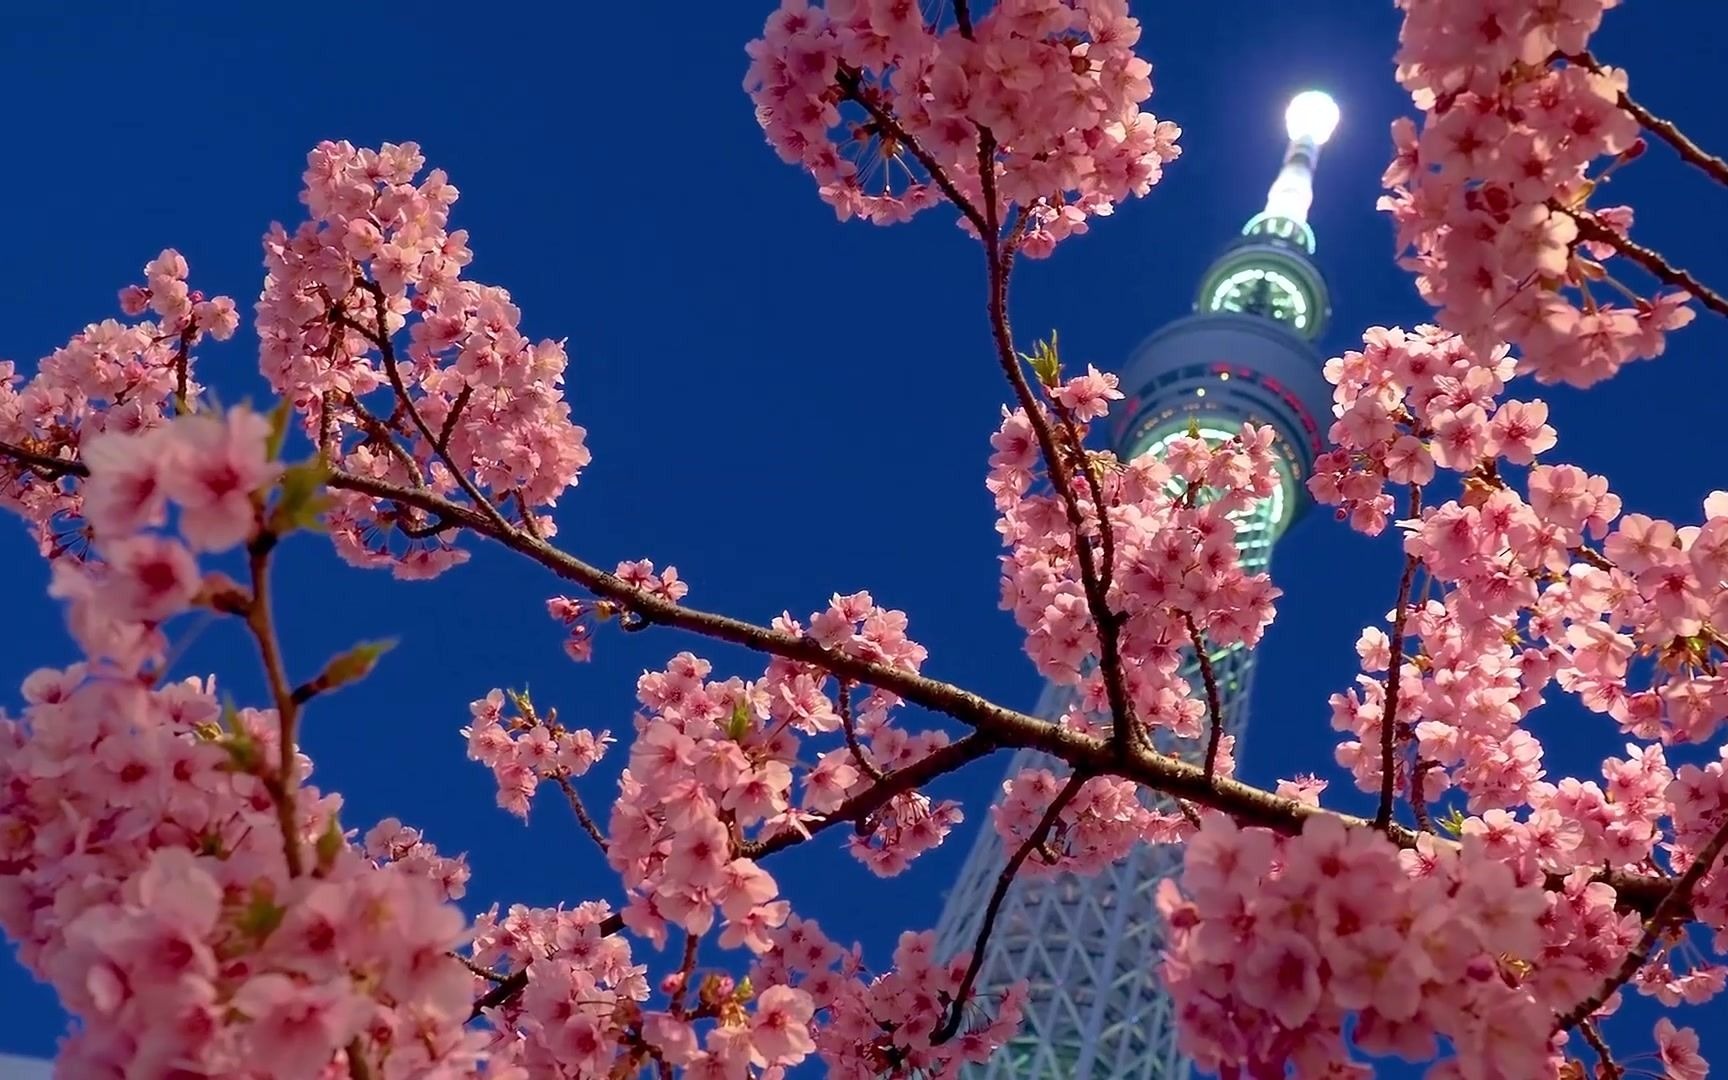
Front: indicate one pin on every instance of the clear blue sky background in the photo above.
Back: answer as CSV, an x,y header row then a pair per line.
x,y
780,405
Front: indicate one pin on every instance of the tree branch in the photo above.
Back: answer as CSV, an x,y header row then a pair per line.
x,y
1666,130
1394,674
993,725
1590,228
852,87
51,468
259,621
864,763
951,1023
1214,708
575,800
1672,908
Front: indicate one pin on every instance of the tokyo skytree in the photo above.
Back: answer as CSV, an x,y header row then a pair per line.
x,y
1089,947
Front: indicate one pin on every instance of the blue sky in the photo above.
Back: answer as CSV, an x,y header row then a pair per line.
x,y
780,405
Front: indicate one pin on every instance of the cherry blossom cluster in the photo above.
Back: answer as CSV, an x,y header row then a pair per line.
x,y
211,469
579,616
525,747
886,1024
1491,193
714,760
142,875
113,378
881,107
142,848
1275,942
463,405
1103,822
1173,544
1699,797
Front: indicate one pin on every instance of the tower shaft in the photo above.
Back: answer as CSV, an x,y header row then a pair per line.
x,y
1089,947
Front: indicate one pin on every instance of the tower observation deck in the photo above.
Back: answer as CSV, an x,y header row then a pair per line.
x,y
1089,947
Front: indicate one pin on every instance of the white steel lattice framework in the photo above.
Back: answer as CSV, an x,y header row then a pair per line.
x,y
1088,948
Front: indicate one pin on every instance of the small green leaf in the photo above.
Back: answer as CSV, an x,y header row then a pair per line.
x,y
351,666
1046,361
1453,823
279,417
331,843
260,917
235,739
739,726
302,498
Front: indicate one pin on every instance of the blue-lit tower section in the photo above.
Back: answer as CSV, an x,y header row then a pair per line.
x,y
1089,947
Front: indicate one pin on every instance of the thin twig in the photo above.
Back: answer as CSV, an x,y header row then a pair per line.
x,y
388,351
575,800
951,1023
456,407
851,85
1590,228
46,465
1124,723
676,1005
1214,708
1666,130
357,1067
1419,796
1394,675
485,973
1671,908
963,19
864,763
1606,1067
280,785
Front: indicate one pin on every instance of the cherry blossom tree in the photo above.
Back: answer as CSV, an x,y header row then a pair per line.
x,y
202,908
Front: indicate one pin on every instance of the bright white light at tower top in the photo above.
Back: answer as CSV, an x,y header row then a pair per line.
x,y
1312,115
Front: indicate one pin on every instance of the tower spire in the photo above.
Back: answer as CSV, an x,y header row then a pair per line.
x,y
1309,120
1269,271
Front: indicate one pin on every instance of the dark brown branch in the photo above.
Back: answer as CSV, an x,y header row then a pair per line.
x,y
259,621
485,973
425,532
1214,706
388,351
862,806
182,362
963,18
49,467
676,1005
456,407
1004,880
588,826
994,726
864,763
1606,1067
1108,623
1666,130
357,1067
852,86
1394,675
1000,726
1673,907
1418,794
1590,228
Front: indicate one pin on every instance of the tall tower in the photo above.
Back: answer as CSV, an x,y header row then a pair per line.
x,y
1089,947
